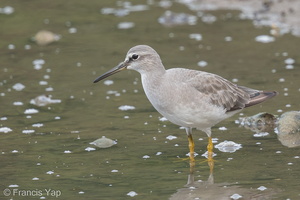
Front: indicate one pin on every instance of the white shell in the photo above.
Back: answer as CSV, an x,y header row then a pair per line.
x,y
104,142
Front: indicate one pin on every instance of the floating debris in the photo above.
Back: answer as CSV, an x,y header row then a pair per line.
x,y
49,89
18,103
127,8
46,76
135,8
170,18
43,83
289,67
196,36
223,128
11,46
163,119
235,80
103,142
31,111
67,151
28,131
90,149
117,12
264,39
44,37
262,188
5,130
108,82
228,39
202,63
18,86
289,61
72,30
228,146
116,93
132,193
14,185
208,18
44,100
126,107
7,10
261,134
204,154
38,64
27,47
125,25
215,140
236,196
171,137
165,3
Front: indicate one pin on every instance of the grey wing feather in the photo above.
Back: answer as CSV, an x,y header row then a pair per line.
x,y
222,92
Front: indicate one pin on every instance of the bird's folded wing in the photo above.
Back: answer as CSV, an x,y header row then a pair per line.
x,y
220,91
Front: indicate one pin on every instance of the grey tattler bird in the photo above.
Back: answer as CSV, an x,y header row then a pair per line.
x,y
188,98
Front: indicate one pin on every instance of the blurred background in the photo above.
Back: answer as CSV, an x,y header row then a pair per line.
x,y
50,111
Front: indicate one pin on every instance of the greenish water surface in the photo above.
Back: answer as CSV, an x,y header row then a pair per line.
x,y
54,157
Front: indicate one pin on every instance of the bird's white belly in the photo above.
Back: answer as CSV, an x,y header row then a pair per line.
x,y
200,114
202,117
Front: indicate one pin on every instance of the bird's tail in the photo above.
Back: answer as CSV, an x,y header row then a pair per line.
x,y
257,97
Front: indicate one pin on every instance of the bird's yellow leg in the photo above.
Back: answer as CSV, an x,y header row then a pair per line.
x,y
210,145
191,147
210,153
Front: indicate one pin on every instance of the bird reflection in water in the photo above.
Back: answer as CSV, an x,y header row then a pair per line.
x,y
209,190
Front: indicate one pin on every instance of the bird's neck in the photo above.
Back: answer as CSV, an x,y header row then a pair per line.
x,y
153,78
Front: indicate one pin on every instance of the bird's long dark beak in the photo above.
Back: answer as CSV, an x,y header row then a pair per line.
x,y
114,70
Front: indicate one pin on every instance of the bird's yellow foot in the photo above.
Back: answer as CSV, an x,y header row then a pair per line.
x,y
189,158
191,147
210,154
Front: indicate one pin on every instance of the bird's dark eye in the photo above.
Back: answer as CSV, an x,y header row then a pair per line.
x,y
135,56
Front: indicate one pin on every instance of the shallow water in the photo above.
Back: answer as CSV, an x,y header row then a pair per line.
x,y
54,156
